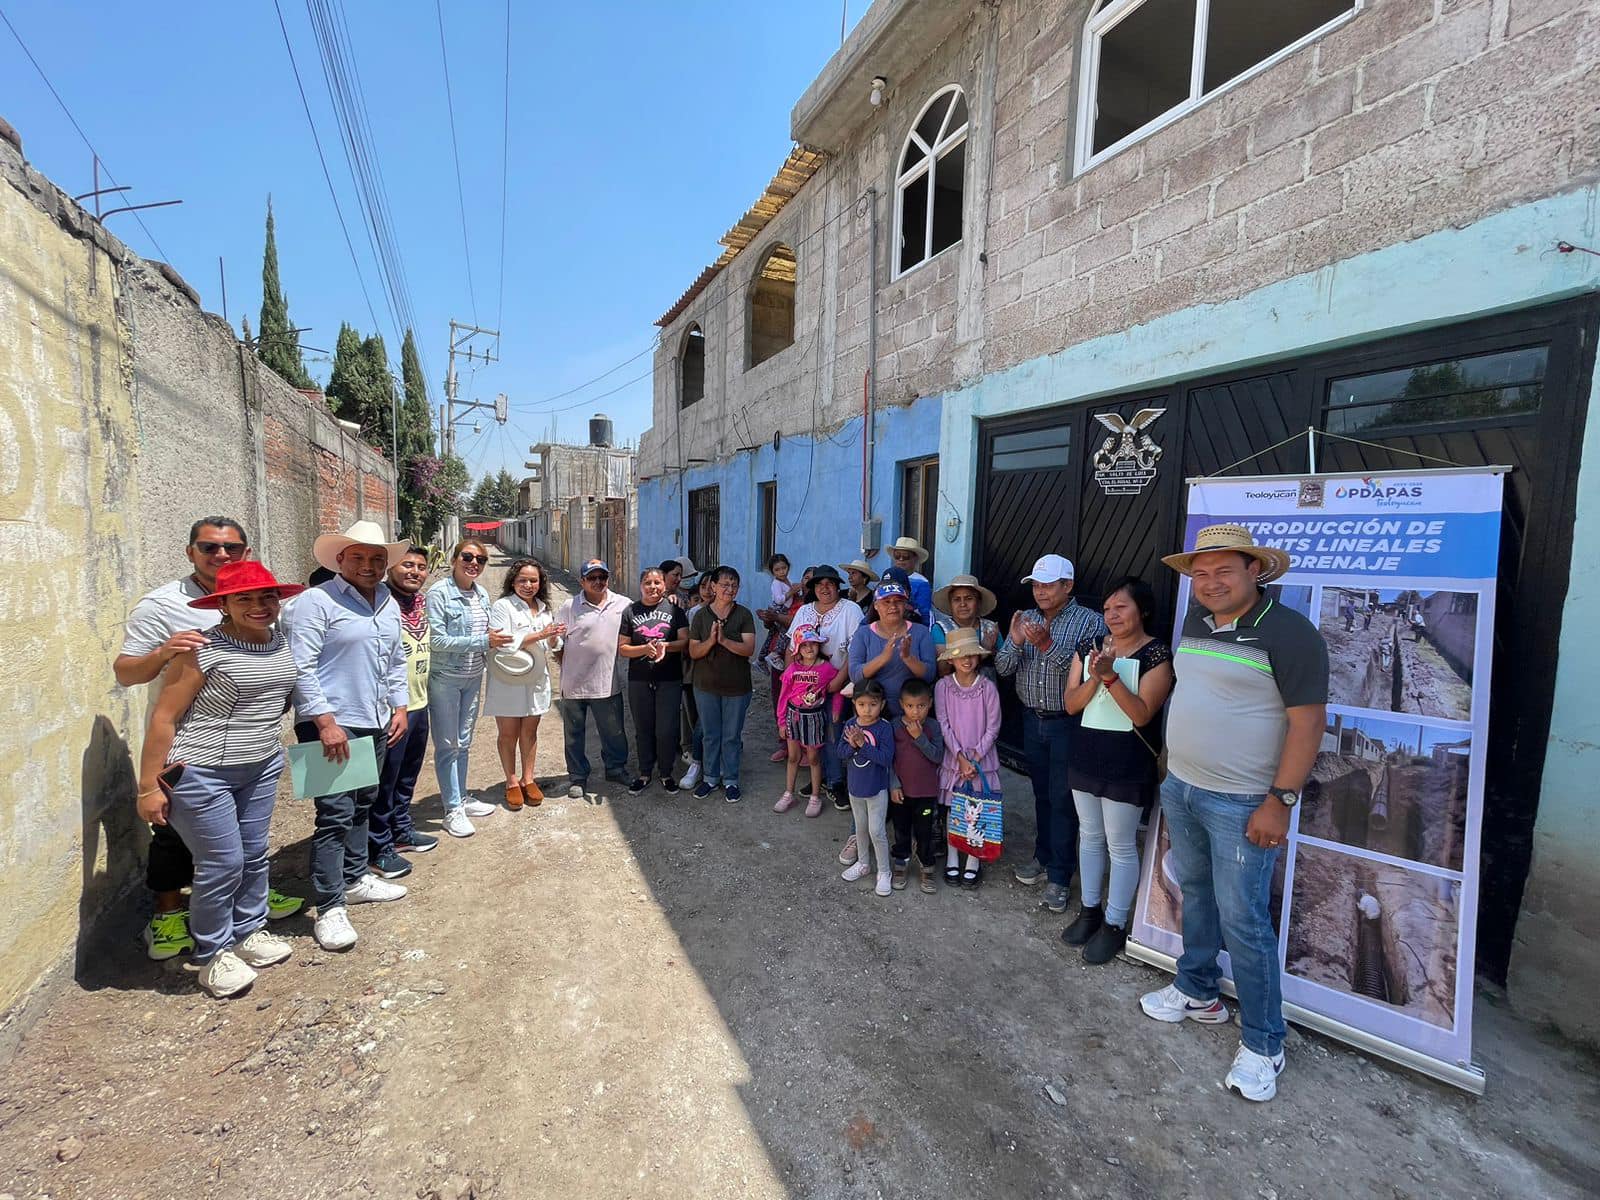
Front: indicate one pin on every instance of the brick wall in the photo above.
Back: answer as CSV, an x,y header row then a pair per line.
x,y
1412,116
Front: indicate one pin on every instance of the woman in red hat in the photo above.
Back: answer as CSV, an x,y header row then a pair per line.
x,y
210,768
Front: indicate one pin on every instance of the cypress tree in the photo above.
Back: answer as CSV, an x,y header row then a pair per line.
x,y
416,415
279,344
344,381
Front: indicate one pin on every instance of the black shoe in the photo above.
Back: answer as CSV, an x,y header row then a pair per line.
x,y
669,785
416,843
1090,919
840,797
1106,943
638,785
390,865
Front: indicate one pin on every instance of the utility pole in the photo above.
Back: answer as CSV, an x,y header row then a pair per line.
x,y
461,336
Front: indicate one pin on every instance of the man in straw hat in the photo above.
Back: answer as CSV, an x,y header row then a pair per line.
x,y
346,636
1038,651
1243,728
909,554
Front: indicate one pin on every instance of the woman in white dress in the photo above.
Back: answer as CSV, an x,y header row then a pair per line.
x,y
519,675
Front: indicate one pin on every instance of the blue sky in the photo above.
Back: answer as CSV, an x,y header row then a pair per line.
x,y
639,132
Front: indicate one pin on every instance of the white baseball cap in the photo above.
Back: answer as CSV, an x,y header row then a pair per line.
x,y
1049,569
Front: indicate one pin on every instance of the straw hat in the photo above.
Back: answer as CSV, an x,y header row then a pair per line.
x,y
327,548
911,544
855,564
986,599
246,576
959,642
1273,562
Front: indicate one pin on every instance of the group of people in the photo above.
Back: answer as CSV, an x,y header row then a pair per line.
x,y
884,693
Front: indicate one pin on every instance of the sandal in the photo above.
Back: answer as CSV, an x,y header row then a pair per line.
x,y
952,875
513,796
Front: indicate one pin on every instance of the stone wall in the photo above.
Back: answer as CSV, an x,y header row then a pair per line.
x,y
125,413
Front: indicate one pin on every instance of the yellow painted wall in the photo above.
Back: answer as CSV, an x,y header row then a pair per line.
x,y
67,555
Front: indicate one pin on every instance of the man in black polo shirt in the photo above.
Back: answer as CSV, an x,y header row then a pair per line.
x,y
1243,729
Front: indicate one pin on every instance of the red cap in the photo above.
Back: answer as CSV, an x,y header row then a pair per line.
x,y
246,576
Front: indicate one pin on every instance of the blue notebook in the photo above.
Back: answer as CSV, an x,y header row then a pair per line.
x,y
313,774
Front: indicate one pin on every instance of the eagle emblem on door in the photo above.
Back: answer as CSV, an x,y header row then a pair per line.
x,y
1126,461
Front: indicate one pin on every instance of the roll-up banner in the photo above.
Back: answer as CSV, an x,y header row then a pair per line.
x,y
1376,895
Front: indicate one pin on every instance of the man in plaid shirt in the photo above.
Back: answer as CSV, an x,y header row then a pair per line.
x,y
1038,652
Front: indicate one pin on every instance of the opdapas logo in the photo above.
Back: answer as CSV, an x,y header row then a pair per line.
x,y
1372,489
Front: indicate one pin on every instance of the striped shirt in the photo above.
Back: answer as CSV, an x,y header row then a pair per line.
x,y
1042,677
237,716
478,613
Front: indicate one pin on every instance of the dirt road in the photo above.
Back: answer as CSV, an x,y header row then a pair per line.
x,y
659,996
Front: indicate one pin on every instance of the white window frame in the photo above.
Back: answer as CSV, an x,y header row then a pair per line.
x,y
946,141
1108,16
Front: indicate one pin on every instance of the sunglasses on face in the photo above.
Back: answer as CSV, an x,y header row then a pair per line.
x,y
234,549
597,577
474,558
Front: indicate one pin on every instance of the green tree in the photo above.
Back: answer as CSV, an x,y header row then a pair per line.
x,y
416,415
436,486
495,496
279,343
361,390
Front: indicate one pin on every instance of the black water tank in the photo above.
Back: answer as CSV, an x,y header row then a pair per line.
x,y
599,430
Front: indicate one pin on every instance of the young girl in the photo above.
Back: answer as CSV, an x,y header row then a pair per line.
x,y
969,715
785,599
867,747
803,714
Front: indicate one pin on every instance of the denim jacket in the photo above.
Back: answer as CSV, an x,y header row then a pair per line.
x,y
450,623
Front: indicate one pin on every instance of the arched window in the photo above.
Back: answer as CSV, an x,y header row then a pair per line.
x,y
771,317
692,367
928,189
1147,62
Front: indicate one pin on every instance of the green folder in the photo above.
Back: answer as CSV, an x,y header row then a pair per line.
x,y
314,774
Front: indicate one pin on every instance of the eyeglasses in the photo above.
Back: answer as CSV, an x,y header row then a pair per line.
x,y
234,549
474,558
598,577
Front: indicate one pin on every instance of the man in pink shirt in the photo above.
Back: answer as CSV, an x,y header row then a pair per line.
x,y
590,679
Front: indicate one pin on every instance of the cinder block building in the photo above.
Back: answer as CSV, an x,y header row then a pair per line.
x,y
1013,227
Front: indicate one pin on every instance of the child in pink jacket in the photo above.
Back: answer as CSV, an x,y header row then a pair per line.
x,y
803,715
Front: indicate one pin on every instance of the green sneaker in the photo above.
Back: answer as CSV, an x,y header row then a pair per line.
x,y
280,906
167,935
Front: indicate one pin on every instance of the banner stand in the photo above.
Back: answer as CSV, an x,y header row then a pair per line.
x,y
1469,1077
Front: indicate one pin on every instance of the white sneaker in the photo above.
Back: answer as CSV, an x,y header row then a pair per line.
x,y
263,949
1169,1004
859,871
228,975
1254,1076
333,930
369,889
691,776
885,883
848,854
457,825
477,808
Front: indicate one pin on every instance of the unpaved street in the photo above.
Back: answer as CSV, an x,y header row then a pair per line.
x,y
677,998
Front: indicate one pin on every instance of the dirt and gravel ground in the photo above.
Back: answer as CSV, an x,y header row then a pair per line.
x,y
658,996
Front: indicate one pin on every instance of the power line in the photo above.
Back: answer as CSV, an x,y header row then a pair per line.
x,y
533,405
164,256
321,158
455,149
505,171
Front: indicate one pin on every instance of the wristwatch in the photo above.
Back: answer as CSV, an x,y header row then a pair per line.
x,y
1285,796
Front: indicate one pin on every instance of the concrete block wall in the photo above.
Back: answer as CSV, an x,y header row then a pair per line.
x,y
125,413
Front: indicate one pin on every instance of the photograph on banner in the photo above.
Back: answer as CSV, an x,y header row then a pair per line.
x,y
1394,787
1297,597
1406,650
1161,899
1383,935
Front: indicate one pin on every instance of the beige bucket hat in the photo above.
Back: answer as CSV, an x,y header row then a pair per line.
x,y
856,564
1237,538
986,599
911,544
327,548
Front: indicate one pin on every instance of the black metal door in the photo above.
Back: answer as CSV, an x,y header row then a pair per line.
x,y
1026,507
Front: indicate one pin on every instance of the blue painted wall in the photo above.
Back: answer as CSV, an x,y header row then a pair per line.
x,y
819,497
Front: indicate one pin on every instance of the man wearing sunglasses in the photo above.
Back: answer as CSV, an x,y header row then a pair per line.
x,y
161,627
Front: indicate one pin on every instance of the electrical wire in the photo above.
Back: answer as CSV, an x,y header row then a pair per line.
x,y
74,120
455,149
505,171
534,405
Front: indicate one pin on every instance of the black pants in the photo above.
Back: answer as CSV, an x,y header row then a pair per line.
x,y
170,867
389,822
339,837
656,708
913,818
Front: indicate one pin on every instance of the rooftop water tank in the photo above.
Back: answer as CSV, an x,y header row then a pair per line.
x,y
599,430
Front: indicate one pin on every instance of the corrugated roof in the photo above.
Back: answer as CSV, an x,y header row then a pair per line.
x,y
797,169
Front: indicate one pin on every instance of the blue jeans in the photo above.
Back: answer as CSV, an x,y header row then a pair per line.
x,y
222,814
608,721
390,818
453,712
1046,745
1226,881
722,720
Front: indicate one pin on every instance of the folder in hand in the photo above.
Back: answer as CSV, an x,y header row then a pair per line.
x,y
314,774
